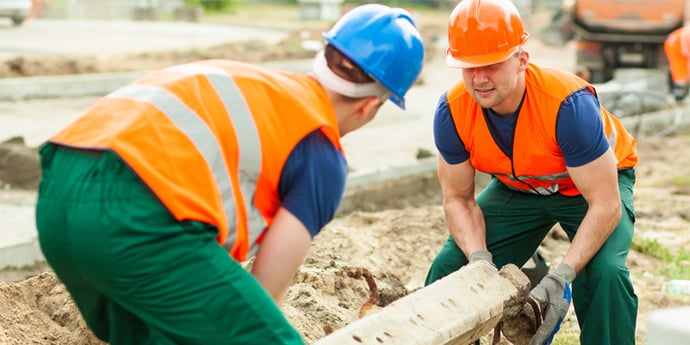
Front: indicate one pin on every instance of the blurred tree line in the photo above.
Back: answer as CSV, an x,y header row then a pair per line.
x,y
211,5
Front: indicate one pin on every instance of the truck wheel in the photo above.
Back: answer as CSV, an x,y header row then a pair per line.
x,y
17,20
598,76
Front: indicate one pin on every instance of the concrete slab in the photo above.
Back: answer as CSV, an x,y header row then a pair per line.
x,y
67,86
18,238
668,327
18,241
457,309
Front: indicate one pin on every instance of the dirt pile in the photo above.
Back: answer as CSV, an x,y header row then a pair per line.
x,y
19,167
40,311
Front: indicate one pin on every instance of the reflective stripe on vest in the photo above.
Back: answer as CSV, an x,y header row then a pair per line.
x,y
198,132
539,190
612,137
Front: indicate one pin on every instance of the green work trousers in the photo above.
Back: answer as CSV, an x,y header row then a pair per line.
x,y
516,224
137,275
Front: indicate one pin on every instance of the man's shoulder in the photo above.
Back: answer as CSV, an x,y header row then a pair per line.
x,y
551,73
553,81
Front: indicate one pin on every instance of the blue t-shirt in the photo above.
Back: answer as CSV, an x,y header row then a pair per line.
x,y
312,182
579,131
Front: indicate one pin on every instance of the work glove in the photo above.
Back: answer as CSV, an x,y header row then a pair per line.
x,y
482,255
553,295
680,91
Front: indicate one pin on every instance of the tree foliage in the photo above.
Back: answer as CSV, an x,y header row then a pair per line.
x,y
211,5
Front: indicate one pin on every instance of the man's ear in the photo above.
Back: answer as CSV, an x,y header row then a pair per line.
x,y
367,104
524,60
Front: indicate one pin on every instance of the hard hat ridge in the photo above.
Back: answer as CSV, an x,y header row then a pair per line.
x,y
483,32
384,42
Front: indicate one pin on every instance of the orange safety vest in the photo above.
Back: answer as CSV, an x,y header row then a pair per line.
x,y
537,165
677,49
210,139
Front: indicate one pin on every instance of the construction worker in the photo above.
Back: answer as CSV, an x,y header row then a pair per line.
x,y
677,49
151,201
37,7
555,156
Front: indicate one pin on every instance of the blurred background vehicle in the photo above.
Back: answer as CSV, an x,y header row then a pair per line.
x,y
613,34
16,10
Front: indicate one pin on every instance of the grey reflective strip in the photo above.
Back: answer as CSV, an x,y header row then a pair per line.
x,y
613,136
195,129
551,189
249,164
546,178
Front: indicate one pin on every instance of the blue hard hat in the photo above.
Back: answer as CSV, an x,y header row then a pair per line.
x,y
384,42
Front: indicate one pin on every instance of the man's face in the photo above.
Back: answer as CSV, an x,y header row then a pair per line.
x,y
496,86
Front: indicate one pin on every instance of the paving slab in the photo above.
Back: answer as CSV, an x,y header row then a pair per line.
x,y
668,327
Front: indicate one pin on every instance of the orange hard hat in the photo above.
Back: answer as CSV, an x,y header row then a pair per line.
x,y
483,32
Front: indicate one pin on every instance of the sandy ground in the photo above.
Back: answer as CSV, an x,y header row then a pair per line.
x,y
395,241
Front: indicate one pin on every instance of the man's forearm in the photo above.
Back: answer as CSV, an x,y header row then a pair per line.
x,y
598,183
596,227
466,225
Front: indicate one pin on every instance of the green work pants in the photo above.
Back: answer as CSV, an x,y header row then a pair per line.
x,y
137,275
516,224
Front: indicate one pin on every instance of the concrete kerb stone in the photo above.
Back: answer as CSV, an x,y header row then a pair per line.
x,y
94,84
67,86
21,254
365,192
477,297
18,240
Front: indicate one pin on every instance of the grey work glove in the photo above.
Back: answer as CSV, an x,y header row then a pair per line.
x,y
553,295
479,255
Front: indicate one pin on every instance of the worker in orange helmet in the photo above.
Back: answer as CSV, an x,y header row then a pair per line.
x,y
150,201
677,49
556,156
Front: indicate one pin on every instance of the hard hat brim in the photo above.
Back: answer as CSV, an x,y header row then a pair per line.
x,y
479,61
483,60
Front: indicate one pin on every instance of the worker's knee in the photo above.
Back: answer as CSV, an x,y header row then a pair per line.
x,y
606,272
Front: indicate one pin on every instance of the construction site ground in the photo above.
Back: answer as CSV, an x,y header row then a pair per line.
x,y
391,227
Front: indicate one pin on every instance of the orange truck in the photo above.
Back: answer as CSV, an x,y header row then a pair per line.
x,y
612,34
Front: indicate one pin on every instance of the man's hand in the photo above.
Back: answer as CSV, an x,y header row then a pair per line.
x,y
553,295
481,255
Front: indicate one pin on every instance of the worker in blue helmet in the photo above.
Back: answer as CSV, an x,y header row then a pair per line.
x,y
384,43
152,199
